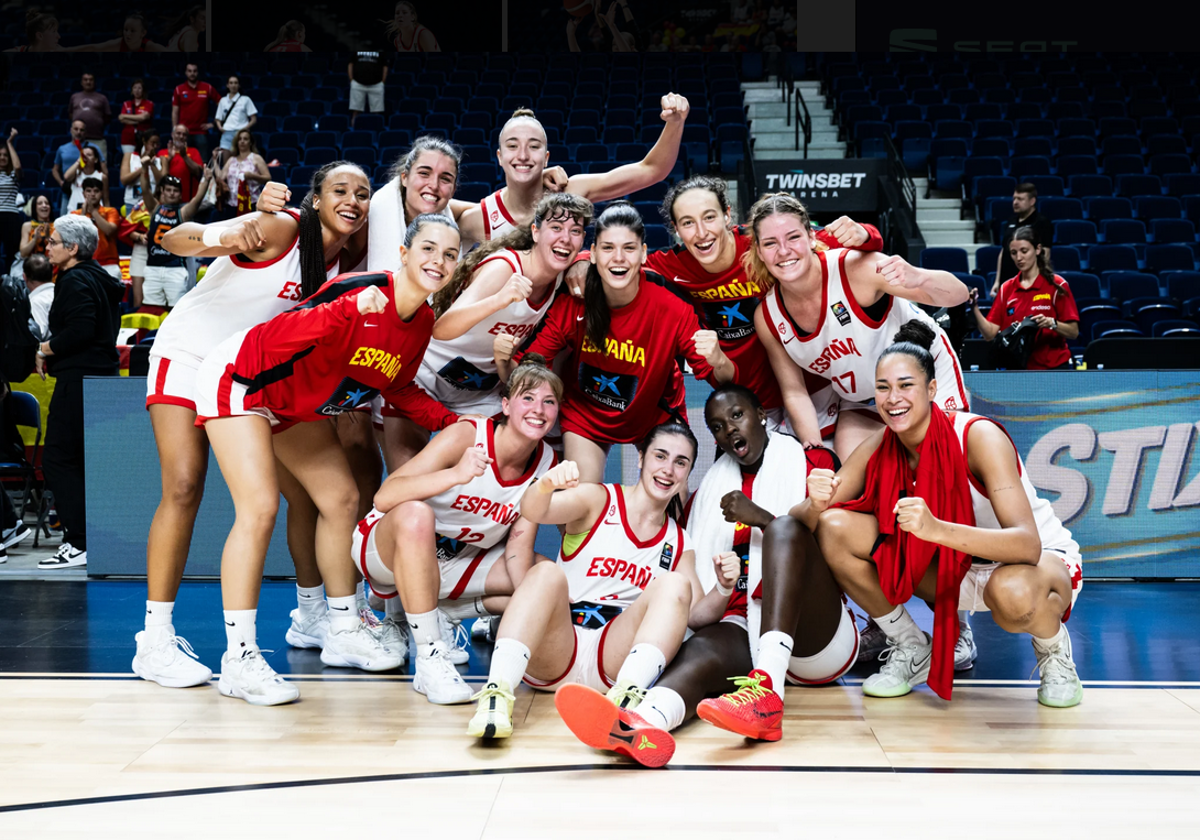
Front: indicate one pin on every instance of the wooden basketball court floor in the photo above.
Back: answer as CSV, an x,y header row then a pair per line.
x,y
86,749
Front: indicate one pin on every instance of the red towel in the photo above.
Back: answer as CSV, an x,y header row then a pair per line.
x,y
903,559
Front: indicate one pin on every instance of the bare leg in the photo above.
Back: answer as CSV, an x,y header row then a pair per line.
x,y
853,427
705,662
406,542
800,595
537,616
847,540
137,290
183,455
658,617
402,439
357,436
1030,599
589,455
301,528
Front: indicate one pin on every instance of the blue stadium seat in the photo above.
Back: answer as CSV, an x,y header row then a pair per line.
x,y
1036,146
1116,329
947,112
1109,207
1175,328
482,171
1166,144
321,138
732,153
991,147
1172,230
657,237
1066,257
1022,167
369,122
1131,185
1057,208
319,155
1161,258
1148,314
299,124
1181,285
977,166
285,140
616,134
589,152
1047,185
1171,164
580,134
948,171
473,190
955,146
1073,232
994,128
1123,231
953,128
392,138
945,259
1158,207
1183,184
1084,286
985,259
1102,258
1094,313
1115,165
914,151
1121,145
287,157
982,111
1117,126
1071,165
364,156
1035,128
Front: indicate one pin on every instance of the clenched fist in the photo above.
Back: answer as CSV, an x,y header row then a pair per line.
x,y
707,344
518,288
371,300
503,346
822,484
849,233
273,198
898,272
246,235
473,463
564,476
729,569
674,108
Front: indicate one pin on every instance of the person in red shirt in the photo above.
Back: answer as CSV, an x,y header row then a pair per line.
x,y
136,117
360,335
622,338
1038,293
190,104
183,162
107,221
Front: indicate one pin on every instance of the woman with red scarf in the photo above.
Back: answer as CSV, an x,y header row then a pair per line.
x,y
938,504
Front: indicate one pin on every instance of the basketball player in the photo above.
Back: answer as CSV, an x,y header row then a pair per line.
x,y
915,503
166,277
446,530
523,156
360,335
290,39
831,313
408,35
622,338
264,264
135,37
708,270
617,602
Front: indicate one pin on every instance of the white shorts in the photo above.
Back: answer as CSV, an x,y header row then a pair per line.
x,y
970,592
366,95
137,261
171,382
464,577
113,270
164,286
587,663
216,392
828,664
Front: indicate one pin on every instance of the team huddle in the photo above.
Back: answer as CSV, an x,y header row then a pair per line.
x,y
327,341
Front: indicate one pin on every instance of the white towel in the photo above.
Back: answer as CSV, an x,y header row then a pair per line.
x,y
386,232
781,483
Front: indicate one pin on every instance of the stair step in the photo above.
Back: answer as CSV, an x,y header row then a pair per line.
x,y
949,214
950,239
781,142
964,226
830,153
936,203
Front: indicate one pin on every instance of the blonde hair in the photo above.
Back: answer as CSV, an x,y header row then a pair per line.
x,y
531,374
769,205
523,114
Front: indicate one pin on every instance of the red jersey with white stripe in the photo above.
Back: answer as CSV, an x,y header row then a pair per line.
x,y
324,357
235,294
612,566
848,341
725,303
496,218
618,391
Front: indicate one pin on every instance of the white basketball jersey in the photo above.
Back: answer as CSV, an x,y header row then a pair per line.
x,y
234,295
414,45
847,342
1053,533
496,218
611,565
461,373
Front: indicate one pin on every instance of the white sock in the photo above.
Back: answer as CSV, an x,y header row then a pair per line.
x,y
158,615
425,631
311,600
393,608
360,599
663,707
1047,644
343,614
899,625
964,618
461,610
510,658
643,665
774,651
240,630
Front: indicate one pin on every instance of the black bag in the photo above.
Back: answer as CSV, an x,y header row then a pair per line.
x,y
1013,345
19,353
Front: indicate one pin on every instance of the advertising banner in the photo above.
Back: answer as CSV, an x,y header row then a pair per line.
x,y
847,185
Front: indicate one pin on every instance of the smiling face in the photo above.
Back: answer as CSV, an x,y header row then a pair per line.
x,y
558,241
523,154
618,254
666,465
903,395
785,246
432,258
41,209
703,225
533,412
429,184
343,201
1024,254
737,427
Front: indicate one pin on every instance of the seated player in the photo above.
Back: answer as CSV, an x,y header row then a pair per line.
x,y
612,612
446,530
915,503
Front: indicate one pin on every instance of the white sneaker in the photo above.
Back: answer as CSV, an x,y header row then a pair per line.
x,y
965,651
359,648
308,631
456,639
395,635
15,534
437,679
1061,687
249,677
66,557
485,628
168,660
906,666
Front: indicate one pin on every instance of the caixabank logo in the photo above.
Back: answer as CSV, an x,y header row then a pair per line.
x,y
926,40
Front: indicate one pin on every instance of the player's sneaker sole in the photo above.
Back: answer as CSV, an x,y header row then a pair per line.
x,y
277,699
169,682
1056,703
716,714
597,722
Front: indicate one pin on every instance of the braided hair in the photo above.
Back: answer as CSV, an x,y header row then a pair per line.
x,y
312,247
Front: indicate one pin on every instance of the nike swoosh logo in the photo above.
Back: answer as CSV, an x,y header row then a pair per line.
x,y
785,646
345,609
578,317
230,624
370,325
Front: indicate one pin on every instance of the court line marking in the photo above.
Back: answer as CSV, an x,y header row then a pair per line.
x,y
574,768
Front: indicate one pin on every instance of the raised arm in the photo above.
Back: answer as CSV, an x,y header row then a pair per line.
x,y
893,275
189,209
258,236
492,288
826,488
557,498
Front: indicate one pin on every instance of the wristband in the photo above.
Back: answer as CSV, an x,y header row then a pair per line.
x,y
725,593
212,237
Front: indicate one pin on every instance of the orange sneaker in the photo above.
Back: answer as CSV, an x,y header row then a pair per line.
x,y
754,710
599,723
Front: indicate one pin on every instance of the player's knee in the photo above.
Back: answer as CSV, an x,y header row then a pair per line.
x,y
259,514
833,530
1012,598
546,578
412,520
184,491
789,536
673,586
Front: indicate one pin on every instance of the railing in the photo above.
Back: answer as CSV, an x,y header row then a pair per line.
x,y
898,224
796,112
747,179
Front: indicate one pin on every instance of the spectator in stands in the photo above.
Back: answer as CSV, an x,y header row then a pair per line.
x,y
623,37
242,175
37,230
182,161
106,220
92,108
235,112
290,39
135,37
65,156
88,166
136,116
145,145
776,14
368,71
184,33
84,319
1025,214
1038,293
189,107
10,211
39,281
